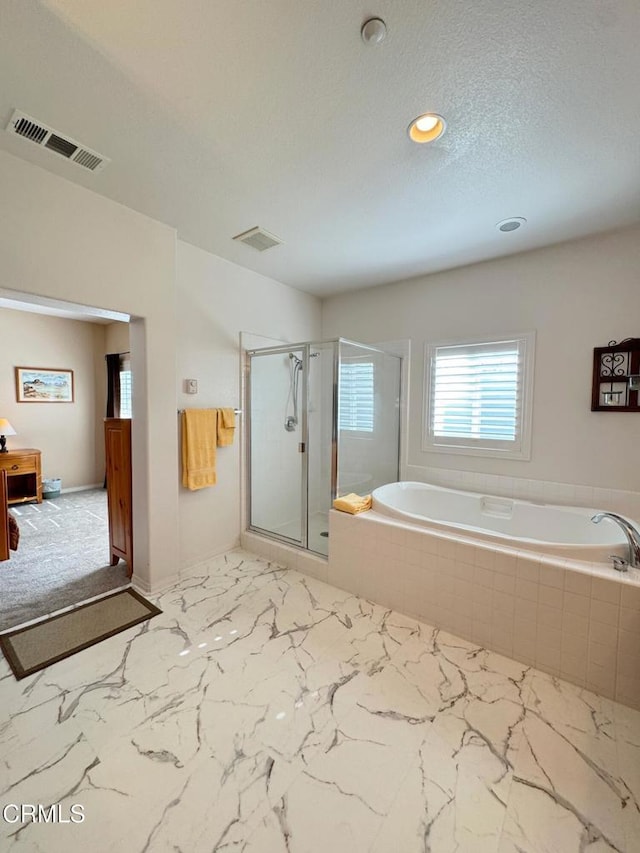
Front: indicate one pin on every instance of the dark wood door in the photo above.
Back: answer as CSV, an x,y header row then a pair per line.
x,y
4,518
117,438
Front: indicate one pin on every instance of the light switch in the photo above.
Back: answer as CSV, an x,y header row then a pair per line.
x,y
191,386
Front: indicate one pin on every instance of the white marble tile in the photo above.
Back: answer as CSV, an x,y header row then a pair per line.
x,y
627,722
373,635
50,769
267,712
567,790
341,822
441,807
483,720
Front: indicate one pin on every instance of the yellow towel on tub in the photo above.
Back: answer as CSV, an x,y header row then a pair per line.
x,y
226,427
353,503
199,448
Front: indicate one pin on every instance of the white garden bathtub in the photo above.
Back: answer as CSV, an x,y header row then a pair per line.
x,y
566,532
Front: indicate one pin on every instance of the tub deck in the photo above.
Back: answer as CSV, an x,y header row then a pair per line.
x,y
576,619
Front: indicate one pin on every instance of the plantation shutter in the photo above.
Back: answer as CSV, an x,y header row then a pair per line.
x,y
125,386
356,396
476,392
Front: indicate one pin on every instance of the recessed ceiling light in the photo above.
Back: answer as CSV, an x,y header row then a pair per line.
x,y
511,224
426,128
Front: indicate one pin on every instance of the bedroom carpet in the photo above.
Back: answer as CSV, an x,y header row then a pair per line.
x,y
63,557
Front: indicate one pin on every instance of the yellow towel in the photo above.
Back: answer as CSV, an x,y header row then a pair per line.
x,y
199,448
226,426
353,503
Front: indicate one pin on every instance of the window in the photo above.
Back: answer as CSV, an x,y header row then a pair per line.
x,y
125,386
478,397
356,402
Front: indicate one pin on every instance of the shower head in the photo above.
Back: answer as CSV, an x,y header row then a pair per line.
x,y
295,358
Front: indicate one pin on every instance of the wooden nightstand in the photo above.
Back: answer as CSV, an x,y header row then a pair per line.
x,y
24,477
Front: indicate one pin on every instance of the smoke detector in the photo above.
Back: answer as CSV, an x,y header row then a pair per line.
x,y
20,124
511,224
258,239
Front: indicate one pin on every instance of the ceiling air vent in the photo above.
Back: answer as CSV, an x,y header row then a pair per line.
x,y
258,239
30,128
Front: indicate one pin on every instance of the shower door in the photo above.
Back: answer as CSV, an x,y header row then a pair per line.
x,y
277,442
368,418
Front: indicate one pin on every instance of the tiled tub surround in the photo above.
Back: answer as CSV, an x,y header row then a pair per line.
x,y
577,620
266,712
560,531
547,491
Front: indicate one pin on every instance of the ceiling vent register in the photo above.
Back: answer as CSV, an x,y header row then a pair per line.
x,y
258,239
30,128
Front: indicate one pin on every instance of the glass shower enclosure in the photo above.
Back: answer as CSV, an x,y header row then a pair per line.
x,y
323,420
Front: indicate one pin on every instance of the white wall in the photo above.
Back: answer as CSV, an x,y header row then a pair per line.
x,y
116,338
217,300
188,307
65,433
577,296
64,242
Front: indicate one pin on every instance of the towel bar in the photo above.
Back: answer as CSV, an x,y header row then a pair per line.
x,y
236,411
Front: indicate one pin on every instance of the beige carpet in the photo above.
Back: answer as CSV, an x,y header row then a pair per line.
x,y
30,649
63,557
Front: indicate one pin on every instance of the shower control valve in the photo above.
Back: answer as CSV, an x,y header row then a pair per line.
x,y
290,423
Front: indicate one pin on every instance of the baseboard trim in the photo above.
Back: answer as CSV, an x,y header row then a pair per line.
x,y
81,488
146,588
189,564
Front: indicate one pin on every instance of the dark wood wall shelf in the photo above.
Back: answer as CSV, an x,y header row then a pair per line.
x,y
616,369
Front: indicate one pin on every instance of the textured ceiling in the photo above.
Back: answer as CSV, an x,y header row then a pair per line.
x,y
220,116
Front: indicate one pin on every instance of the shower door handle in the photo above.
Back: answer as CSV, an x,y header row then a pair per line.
x,y
301,447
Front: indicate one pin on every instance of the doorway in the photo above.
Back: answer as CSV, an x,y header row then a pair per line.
x,y
63,552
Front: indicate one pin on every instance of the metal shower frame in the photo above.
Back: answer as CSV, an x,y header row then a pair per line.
x,y
305,348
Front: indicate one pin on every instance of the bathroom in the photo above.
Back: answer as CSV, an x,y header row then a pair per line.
x,y
266,709
579,624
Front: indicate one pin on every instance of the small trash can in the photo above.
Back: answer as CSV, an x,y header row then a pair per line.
x,y
51,488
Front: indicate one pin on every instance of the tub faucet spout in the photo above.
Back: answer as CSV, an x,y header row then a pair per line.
x,y
633,537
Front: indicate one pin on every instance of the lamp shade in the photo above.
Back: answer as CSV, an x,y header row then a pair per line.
x,y
6,428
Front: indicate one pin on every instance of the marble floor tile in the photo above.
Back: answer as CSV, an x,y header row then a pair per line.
x,y
48,771
627,722
441,807
339,821
568,793
267,712
483,710
373,635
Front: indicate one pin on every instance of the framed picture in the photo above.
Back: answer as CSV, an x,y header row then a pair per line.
x,y
44,385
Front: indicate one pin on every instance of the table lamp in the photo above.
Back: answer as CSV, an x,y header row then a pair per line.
x,y
5,429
